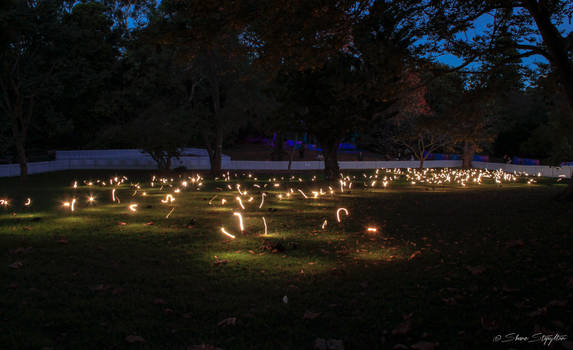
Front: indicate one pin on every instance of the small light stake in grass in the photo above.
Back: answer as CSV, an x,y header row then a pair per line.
x,y
265,223
91,199
4,202
227,233
168,214
262,200
28,202
114,197
240,221
240,202
304,195
168,199
133,207
70,205
372,229
324,224
338,213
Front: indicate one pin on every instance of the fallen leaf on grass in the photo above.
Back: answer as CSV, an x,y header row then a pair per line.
x,y
476,270
100,287
16,265
309,315
21,250
488,324
539,312
402,328
507,289
414,254
203,347
218,262
450,301
515,243
230,321
328,344
134,339
424,345
557,303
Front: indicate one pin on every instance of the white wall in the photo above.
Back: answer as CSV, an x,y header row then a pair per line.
x,y
202,163
544,170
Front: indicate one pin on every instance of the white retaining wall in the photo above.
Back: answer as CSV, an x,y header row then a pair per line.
x,y
544,170
202,163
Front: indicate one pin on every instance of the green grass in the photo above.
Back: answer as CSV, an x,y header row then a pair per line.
x,y
460,265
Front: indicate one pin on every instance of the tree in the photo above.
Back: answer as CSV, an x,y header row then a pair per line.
x,y
533,25
334,104
25,68
416,126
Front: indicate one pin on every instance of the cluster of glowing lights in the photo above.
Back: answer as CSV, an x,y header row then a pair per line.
x,y
289,188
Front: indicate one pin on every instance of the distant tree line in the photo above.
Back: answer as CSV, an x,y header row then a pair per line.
x,y
164,75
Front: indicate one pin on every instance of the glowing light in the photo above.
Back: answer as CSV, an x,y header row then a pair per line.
x,y
28,202
227,233
240,221
75,184
338,213
240,202
133,207
70,205
114,197
168,214
372,229
91,199
262,200
304,195
324,224
4,202
168,199
265,223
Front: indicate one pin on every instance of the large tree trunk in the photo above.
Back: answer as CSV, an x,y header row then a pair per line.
x,y
278,151
291,155
569,191
215,155
331,169
469,151
556,47
21,154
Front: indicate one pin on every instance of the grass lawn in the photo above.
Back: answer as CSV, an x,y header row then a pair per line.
x,y
448,268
